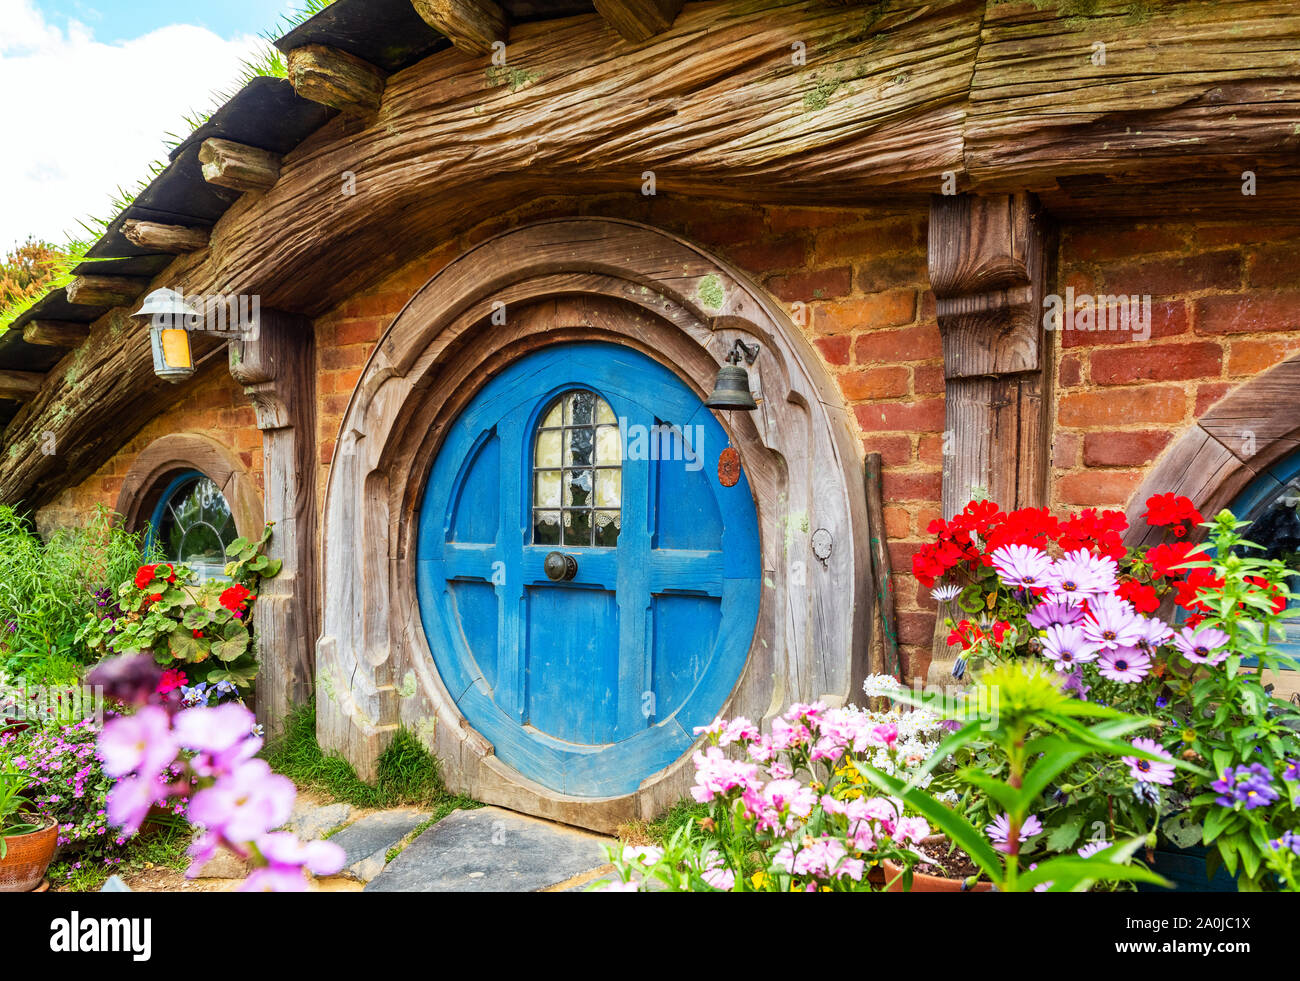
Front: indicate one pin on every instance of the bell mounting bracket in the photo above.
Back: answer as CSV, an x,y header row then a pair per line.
x,y
742,351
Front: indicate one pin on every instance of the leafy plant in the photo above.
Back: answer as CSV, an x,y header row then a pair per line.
x,y
201,629
15,818
1042,732
47,589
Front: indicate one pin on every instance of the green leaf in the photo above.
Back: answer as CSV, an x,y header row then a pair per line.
x,y
240,675
1064,835
1070,873
235,644
960,831
196,618
184,645
1058,755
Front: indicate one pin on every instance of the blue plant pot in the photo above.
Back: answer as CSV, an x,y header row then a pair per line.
x,y
1186,869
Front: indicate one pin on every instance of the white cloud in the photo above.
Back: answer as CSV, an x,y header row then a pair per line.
x,y
81,117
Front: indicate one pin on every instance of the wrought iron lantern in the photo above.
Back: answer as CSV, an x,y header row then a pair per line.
x,y
731,389
169,333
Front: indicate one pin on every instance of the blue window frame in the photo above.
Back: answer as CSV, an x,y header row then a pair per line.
x,y
192,525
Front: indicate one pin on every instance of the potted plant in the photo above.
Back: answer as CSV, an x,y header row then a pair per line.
x,y
944,869
27,840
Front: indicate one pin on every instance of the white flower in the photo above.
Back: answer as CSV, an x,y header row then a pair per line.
x,y
878,685
946,592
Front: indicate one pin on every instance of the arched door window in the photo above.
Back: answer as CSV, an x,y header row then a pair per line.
x,y
192,525
577,473
1271,503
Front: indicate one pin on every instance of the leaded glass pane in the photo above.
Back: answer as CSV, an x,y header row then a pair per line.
x,y
577,464
195,526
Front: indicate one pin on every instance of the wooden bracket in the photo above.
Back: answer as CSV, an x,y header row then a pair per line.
x,y
471,25
176,239
104,291
989,261
19,386
276,365
639,20
240,167
55,333
336,79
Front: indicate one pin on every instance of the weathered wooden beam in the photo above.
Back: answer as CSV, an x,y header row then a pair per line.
x,y
55,333
176,239
234,165
337,79
277,370
471,25
104,291
989,261
19,385
639,20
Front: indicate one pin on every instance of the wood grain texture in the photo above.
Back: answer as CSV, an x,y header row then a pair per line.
x,y
177,239
239,167
337,79
888,662
277,367
572,280
55,333
19,385
471,25
638,20
104,291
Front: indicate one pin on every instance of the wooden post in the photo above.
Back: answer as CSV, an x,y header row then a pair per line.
x,y
104,291
989,261
276,365
888,662
337,79
19,386
176,239
55,333
471,25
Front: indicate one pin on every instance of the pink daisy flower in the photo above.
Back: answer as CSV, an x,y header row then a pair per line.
x,y
1065,646
1204,646
1079,575
1126,665
1000,830
1112,623
1022,566
1150,771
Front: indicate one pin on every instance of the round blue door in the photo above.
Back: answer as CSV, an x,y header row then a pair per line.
x,y
588,588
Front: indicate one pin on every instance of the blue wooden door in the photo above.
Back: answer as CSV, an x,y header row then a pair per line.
x,y
591,684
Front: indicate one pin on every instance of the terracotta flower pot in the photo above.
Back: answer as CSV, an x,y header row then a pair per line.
x,y
922,882
27,858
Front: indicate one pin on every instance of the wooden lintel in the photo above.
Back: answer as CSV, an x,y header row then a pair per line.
x,y
175,239
240,167
471,25
55,333
336,79
19,385
639,20
104,291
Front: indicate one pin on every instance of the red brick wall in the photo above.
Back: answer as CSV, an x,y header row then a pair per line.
x,y
211,404
1225,306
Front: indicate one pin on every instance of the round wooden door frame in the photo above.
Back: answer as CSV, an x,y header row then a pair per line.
x,y
175,453
1239,437
569,279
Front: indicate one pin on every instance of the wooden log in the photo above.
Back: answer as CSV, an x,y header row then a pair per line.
x,y
989,263
277,371
234,165
888,662
176,239
639,20
471,25
104,291
337,79
55,333
19,385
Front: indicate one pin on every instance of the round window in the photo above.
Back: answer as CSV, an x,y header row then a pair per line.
x,y
192,525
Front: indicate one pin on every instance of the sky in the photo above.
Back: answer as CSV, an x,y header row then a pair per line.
x,y
93,87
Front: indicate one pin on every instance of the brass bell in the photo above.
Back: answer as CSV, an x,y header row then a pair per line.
x,y
731,389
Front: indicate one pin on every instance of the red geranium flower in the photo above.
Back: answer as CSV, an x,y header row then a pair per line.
x,y
1167,559
1171,509
1142,597
234,598
171,680
144,576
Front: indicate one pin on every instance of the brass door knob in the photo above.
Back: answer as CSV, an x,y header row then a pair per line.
x,y
560,567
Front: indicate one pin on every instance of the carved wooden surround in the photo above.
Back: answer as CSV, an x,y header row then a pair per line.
x,y
564,280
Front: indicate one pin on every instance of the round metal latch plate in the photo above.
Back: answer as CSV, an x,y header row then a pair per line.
x,y
822,544
560,567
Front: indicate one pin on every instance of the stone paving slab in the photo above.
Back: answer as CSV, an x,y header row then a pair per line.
x,y
367,842
492,850
312,821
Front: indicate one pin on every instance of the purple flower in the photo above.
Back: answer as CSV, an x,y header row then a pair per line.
x,y
1153,632
1112,623
1000,830
1127,665
1074,682
1080,575
1066,647
246,803
1150,771
1204,646
1045,615
1092,848
140,742
1022,566
1250,785
288,859
1289,840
